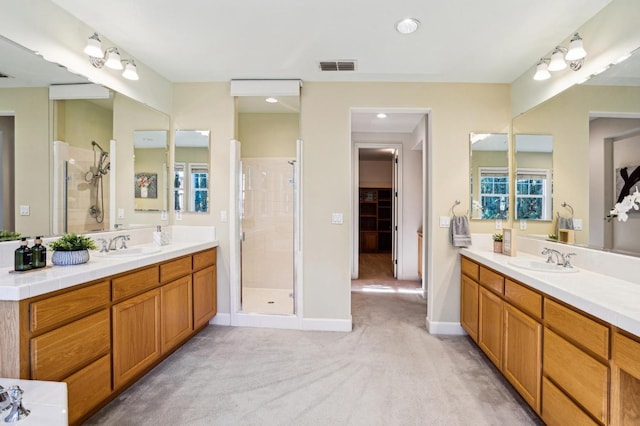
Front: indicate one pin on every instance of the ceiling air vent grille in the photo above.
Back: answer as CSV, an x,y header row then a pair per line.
x,y
346,65
3,75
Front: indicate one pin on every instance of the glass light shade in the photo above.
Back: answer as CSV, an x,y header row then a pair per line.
x,y
576,50
113,60
407,26
94,48
130,72
542,71
557,61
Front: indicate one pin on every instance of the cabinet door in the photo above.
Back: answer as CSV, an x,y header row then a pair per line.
x,y
176,312
522,363
490,326
136,336
469,307
205,302
558,410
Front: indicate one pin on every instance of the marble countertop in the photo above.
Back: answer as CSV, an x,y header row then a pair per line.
x,y
46,401
18,286
610,299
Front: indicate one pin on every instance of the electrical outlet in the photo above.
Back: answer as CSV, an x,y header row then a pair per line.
x,y
24,211
178,215
337,218
163,215
577,224
523,225
498,223
223,216
120,213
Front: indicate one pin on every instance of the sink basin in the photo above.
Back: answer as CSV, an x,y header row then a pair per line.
x,y
129,252
540,266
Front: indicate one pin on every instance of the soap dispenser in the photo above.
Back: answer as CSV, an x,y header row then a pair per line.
x,y
22,259
38,254
160,237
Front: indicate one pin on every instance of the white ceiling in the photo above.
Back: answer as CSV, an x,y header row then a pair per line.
x,y
459,40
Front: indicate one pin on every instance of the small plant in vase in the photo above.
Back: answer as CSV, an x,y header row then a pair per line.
x,y
497,243
71,249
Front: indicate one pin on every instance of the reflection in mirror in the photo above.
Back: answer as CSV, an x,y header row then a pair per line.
x,y
489,175
534,174
82,131
150,170
191,171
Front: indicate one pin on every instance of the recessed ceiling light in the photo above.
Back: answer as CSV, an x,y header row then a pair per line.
x,y
381,115
407,25
271,100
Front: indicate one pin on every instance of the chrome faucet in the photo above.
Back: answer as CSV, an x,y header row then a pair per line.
x,y
11,399
112,243
562,259
103,247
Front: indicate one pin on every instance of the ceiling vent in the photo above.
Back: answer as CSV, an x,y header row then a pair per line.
x,y
346,65
3,75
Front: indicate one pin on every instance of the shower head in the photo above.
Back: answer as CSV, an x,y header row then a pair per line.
x,y
102,151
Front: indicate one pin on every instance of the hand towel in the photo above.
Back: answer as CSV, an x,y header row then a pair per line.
x,y
459,229
564,223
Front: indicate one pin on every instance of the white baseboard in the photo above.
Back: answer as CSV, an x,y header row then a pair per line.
x,y
446,328
290,322
320,324
221,319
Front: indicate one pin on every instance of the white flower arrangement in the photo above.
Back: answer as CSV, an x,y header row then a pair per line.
x,y
476,205
631,201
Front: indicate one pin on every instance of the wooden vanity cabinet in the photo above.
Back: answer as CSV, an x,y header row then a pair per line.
x,y
625,379
490,327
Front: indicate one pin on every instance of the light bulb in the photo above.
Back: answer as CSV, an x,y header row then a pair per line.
x,y
113,59
94,47
542,71
557,61
576,51
130,71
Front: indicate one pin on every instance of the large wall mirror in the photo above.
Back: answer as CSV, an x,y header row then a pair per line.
x,y
533,177
80,181
489,162
150,153
595,128
191,175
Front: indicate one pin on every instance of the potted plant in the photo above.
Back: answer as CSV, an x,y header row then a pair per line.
x,y
9,235
497,243
71,249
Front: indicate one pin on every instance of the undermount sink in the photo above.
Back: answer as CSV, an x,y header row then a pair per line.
x,y
540,266
129,252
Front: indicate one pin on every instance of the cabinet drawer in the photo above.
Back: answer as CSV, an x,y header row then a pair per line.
x,y
559,410
524,298
60,309
204,259
175,269
492,280
626,354
470,268
584,331
58,353
135,282
88,387
577,373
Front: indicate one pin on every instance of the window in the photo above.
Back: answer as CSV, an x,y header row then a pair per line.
x,y
198,187
494,192
533,194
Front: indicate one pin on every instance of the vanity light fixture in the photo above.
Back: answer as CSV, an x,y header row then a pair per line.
x,y
574,55
130,70
407,25
109,58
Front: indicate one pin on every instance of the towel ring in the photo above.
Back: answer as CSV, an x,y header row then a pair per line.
x,y
457,203
568,206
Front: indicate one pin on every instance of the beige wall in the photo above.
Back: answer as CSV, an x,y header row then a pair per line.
x,y
376,174
32,183
78,122
457,109
566,118
268,135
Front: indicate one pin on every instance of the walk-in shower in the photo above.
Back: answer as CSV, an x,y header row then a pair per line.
x,y
94,176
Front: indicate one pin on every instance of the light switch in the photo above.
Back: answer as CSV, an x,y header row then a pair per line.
x,y
120,213
24,211
337,218
523,225
163,215
577,224
445,221
223,216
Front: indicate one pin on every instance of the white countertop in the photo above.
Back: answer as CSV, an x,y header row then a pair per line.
x,y
46,401
19,286
613,300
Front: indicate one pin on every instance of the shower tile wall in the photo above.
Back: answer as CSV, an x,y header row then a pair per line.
x,y
267,251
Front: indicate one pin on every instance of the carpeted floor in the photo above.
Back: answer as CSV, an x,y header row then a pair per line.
x,y
387,371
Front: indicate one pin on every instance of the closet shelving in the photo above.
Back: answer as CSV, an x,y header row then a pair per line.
x,y
375,220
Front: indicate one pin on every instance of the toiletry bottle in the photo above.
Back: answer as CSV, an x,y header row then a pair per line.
x,y
38,254
22,260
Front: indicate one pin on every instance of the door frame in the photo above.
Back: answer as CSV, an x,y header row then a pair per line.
x,y
397,200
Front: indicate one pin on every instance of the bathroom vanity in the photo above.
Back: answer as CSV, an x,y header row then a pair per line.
x,y
100,326
568,342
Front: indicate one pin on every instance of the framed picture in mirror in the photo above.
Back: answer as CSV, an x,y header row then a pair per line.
x,y
508,242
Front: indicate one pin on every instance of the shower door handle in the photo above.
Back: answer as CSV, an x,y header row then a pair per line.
x,y
242,235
